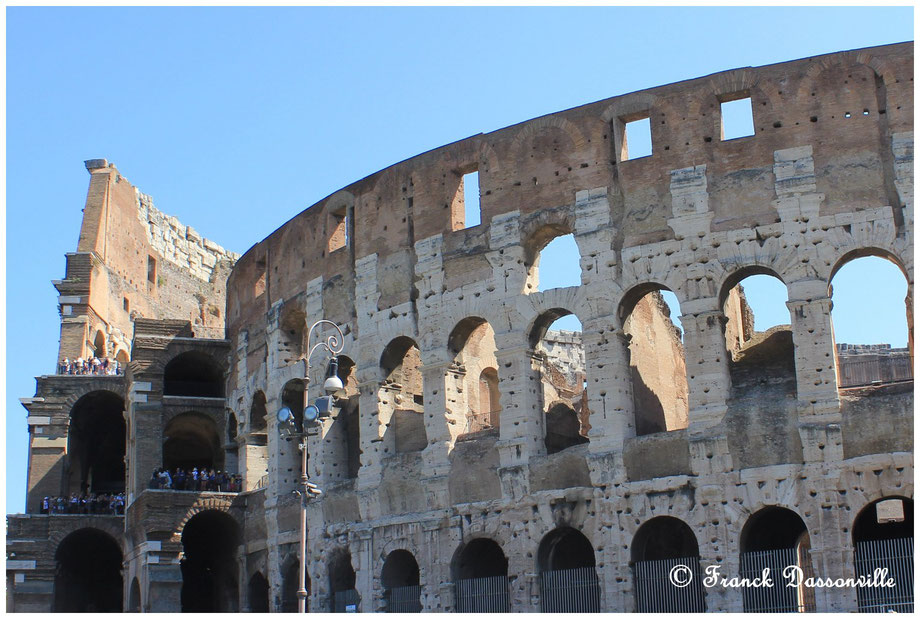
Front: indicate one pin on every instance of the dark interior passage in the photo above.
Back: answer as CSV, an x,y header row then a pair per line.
x,y
258,593
96,444
193,374
209,569
88,576
481,558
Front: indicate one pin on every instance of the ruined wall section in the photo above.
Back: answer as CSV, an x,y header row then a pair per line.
x,y
134,261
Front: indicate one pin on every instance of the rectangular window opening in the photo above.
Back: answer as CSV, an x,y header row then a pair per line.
x,y
151,270
338,225
737,118
472,214
637,139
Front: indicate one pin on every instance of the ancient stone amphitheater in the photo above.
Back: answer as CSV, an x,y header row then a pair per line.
x,y
477,460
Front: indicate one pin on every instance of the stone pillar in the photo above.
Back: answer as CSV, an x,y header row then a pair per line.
x,y
815,370
708,384
609,398
440,430
521,432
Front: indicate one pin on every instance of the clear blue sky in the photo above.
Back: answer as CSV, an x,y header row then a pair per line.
x,y
234,120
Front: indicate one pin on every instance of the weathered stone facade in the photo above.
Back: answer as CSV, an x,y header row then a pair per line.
x,y
459,434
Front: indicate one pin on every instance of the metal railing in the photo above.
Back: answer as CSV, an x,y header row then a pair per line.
x,y
483,595
403,599
570,591
897,557
477,422
777,598
655,592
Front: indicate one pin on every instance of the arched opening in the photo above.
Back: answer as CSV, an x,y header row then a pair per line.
x,y
190,441
342,578
883,539
656,359
122,357
99,345
559,359
879,350
258,414
400,398
96,444
758,336
88,573
258,593
193,374
568,580
210,540
400,579
473,396
552,259
775,538
134,597
343,440
659,548
480,571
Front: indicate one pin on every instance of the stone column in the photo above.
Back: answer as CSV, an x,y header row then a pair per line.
x,y
521,432
815,370
609,397
440,431
708,384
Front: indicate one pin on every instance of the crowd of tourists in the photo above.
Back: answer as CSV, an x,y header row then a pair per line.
x,y
113,504
91,366
196,480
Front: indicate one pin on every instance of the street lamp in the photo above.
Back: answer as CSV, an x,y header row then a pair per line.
x,y
312,415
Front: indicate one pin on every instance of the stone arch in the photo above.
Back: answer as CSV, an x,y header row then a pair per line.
x,y
96,439
664,537
258,413
472,345
479,557
775,537
539,126
892,257
656,357
538,234
193,374
753,354
122,357
882,535
568,580
400,397
258,593
88,576
400,578
99,344
659,546
210,545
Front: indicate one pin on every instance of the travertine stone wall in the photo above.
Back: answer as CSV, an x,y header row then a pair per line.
x,y
825,177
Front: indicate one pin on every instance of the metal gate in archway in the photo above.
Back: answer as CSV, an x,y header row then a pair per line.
x,y
483,595
570,591
894,559
657,593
